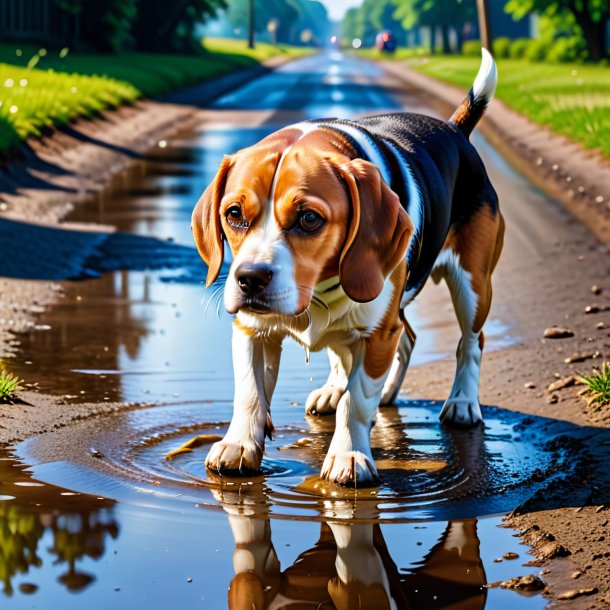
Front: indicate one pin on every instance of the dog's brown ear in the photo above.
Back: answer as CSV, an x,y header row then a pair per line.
x,y
205,222
378,235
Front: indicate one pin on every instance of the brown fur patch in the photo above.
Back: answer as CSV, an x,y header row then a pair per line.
x,y
478,245
383,343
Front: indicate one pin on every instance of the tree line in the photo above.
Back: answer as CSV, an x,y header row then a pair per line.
x,y
146,25
583,22
174,25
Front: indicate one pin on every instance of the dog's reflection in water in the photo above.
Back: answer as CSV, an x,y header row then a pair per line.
x,y
350,567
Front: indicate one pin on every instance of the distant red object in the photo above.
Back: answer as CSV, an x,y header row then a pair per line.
x,y
386,41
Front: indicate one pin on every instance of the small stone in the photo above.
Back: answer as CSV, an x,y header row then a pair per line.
x,y
600,508
553,399
552,549
530,385
600,326
577,593
578,358
575,575
557,332
189,580
595,289
27,588
592,308
510,555
531,582
96,453
560,384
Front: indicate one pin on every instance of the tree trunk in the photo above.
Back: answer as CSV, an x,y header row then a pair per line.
x,y
459,37
432,39
594,33
446,41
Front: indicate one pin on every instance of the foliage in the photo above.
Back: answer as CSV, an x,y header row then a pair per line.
x,y
537,50
591,17
502,46
597,387
571,99
472,48
518,48
149,25
60,89
436,15
162,25
9,384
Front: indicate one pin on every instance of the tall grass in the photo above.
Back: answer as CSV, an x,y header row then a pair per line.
x,y
40,88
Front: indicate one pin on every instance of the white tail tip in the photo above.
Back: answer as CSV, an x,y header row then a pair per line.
x,y
487,78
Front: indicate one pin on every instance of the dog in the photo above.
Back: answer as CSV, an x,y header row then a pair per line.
x,y
334,227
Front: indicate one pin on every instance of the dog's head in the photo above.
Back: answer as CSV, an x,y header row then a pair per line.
x,y
295,210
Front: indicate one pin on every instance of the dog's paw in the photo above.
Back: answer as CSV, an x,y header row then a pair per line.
x,y
324,400
235,458
461,412
349,468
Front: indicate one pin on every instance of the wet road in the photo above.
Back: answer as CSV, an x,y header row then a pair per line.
x,y
154,336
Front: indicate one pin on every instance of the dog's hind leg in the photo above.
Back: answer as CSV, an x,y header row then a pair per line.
x,y
466,264
399,365
324,400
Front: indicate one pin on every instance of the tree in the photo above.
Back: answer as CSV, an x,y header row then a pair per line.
x,y
591,16
436,15
164,25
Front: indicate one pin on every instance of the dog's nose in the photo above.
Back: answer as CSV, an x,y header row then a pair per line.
x,y
253,278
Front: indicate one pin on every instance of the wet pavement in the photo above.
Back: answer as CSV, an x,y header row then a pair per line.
x,y
145,531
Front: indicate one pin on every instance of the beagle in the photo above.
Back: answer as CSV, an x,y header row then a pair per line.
x,y
335,226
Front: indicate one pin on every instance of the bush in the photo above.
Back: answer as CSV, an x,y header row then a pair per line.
x,y
519,47
472,48
566,49
537,50
502,47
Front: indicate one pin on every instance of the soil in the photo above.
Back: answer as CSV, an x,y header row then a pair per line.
x,y
539,287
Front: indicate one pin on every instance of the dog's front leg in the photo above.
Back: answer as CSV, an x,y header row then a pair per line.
x,y
256,359
349,460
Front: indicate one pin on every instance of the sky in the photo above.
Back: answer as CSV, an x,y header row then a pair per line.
x,y
336,8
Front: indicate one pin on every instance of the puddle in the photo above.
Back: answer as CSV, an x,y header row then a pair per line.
x,y
136,530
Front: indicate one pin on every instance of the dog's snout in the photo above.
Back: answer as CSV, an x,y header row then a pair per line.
x,y
253,278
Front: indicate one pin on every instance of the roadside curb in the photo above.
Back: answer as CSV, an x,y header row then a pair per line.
x,y
578,178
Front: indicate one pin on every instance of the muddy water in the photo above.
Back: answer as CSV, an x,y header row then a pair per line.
x,y
100,517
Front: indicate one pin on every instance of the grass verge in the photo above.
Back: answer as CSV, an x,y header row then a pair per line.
x,y
571,99
9,384
40,88
597,387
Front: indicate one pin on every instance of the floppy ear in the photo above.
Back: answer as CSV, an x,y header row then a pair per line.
x,y
378,234
205,223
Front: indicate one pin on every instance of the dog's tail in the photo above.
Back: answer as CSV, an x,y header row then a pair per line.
x,y
470,111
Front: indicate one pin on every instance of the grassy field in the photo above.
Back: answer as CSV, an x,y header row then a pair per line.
x,y
572,99
42,88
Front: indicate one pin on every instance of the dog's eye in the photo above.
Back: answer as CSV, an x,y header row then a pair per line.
x,y
310,221
235,217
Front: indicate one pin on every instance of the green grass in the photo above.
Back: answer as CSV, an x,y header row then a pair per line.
x,y
43,88
597,387
571,99
9,384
